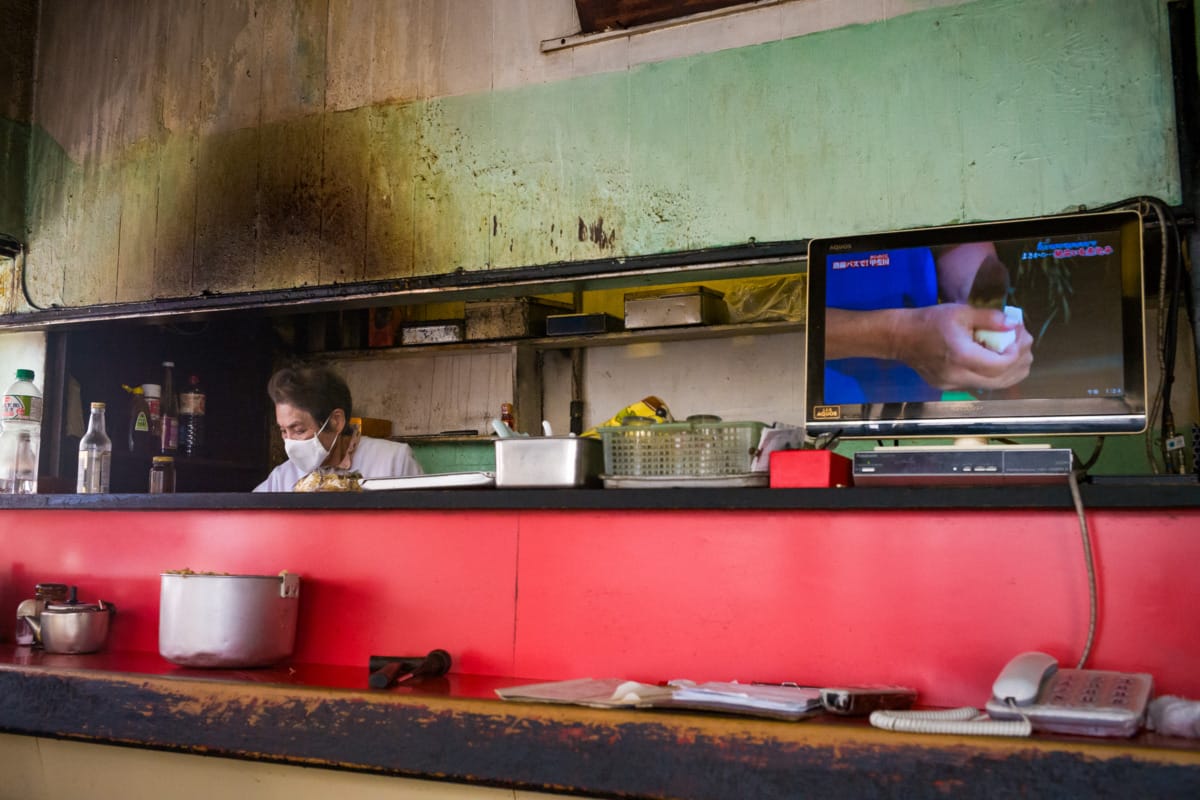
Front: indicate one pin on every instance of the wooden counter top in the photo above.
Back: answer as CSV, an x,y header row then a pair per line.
x,y
454,729
1134,492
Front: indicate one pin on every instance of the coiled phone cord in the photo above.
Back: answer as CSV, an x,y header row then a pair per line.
x,y
963,721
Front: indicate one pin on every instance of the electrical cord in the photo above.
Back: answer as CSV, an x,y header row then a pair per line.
x,y
966,721
1171,261
1090,563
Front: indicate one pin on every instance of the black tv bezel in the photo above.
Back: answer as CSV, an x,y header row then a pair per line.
x,y
985,419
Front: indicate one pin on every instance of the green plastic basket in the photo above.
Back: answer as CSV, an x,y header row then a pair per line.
x,y
691,449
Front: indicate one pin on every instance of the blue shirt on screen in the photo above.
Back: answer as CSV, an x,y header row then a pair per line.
x,y
870,281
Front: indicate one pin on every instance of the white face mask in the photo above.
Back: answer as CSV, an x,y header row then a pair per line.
x,y
307,454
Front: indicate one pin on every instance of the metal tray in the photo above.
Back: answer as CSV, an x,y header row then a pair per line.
x,y
446,480
746,480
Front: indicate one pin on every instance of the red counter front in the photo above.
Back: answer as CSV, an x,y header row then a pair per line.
x,y
937,599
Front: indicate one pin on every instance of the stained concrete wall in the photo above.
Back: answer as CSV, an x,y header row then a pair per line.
x,y
181,148
18,22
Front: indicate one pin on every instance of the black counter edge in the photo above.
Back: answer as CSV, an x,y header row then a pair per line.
x,y
1137,495
601,754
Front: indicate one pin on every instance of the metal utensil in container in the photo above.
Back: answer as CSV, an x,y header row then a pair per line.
x,y
234,621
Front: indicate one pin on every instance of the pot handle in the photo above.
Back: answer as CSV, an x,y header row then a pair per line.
x,y
289,586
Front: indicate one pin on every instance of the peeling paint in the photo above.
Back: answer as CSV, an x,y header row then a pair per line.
x,y
595,233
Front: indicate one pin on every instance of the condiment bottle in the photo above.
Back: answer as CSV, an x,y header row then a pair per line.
x,y
140,439
95,455
507,416
153,392
162,475
191,418
169,408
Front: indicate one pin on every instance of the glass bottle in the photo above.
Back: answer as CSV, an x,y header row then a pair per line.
x,y
95,455
162,475
191,418
169,409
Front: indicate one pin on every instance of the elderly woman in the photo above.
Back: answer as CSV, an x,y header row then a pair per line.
x,y
312,408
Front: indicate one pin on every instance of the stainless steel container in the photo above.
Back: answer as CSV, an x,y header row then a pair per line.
x,y
696,305
227,620
548,461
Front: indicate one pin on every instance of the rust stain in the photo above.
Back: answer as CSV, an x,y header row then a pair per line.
x,y
595,233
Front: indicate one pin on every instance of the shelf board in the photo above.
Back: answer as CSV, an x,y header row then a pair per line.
x,y
614,338
674,334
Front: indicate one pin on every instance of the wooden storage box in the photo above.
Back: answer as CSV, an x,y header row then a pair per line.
x,y
510,319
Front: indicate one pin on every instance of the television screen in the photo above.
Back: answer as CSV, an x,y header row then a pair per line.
x,y
1016,327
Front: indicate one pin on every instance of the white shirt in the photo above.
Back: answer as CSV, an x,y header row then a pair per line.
x,y
372,458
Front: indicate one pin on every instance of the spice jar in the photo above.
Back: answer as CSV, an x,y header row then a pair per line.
x,y
162,475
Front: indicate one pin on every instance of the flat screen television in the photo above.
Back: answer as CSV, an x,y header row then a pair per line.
x,y
1057,303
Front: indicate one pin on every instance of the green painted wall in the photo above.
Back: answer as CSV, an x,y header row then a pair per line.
x,y
990,109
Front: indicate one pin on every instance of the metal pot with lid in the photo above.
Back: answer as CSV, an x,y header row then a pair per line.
x,y
72,627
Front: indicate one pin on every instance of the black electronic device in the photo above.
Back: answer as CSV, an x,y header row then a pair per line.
x,y
1068,289
962,466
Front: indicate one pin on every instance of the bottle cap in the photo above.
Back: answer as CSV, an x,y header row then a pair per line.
x,y
152,389
163,459
99,406
168,363
24,374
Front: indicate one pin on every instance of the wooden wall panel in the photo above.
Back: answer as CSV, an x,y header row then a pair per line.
x,y
345,173
392,192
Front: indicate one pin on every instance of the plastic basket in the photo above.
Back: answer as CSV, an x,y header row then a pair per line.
x,y
693,449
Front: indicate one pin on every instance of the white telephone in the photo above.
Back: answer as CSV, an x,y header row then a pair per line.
x,y
1032,693
1081,701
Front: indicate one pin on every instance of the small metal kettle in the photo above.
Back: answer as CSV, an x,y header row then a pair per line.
x,y
72,627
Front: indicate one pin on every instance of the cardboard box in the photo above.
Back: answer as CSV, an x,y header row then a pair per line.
x,y
383,324
809,469
510,319
375,428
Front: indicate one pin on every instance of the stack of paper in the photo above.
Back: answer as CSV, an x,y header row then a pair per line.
x,y
784,702
780,702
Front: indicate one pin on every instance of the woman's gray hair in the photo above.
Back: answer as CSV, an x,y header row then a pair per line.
x,y
317,390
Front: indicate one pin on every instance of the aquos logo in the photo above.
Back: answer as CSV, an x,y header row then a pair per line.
x,y
827,412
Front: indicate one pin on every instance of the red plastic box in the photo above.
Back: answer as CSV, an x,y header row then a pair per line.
x,y
809,469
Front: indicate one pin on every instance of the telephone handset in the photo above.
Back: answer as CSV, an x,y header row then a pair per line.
x,y
1077,701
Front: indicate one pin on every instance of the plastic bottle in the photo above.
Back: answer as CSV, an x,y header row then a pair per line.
x,y
153,394
191,418
140,438
21,438
95,455
169,443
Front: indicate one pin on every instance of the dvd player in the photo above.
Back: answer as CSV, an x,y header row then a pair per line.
x,y
953,466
